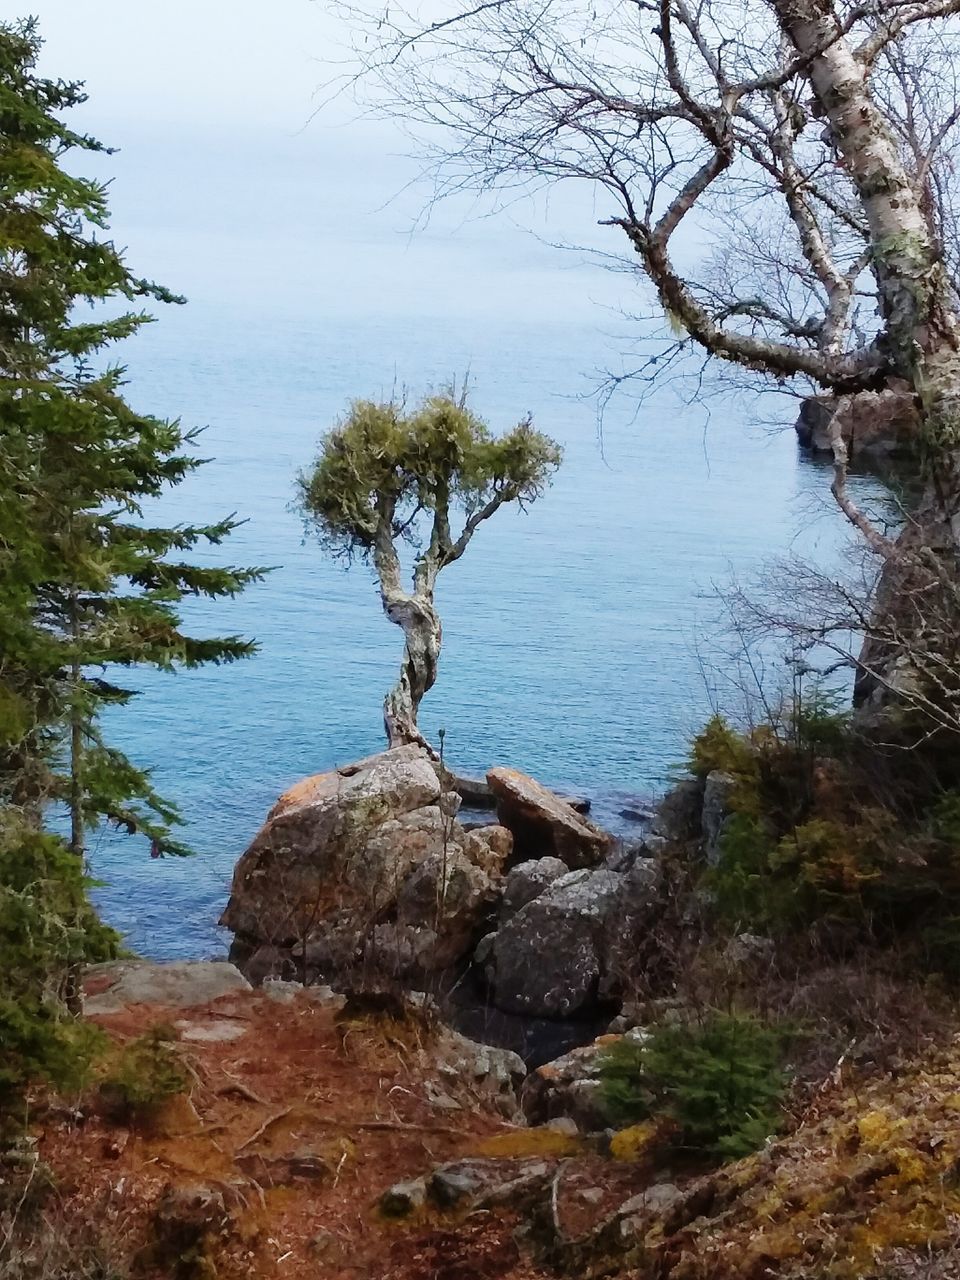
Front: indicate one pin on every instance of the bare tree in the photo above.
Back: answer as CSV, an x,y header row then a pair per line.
x,y
810,142
385,477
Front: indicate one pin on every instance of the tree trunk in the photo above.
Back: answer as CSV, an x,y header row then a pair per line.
x,y
418,671
917,608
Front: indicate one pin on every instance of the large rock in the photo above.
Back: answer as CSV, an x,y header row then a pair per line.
x,y
544,825
110,987
348,868
874,425
570,1087
678,816
553,957
717,796
527,881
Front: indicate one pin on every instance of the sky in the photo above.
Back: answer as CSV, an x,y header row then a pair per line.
x,y
235,175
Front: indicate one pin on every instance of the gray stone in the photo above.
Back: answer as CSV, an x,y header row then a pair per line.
x,y
218,1032
678,815
569,1087
451,1184
119,983
404,1198
566,949
486,1183
490,1073
717,792
546,960
653,845
564,1125
527,881
450,895
657,1201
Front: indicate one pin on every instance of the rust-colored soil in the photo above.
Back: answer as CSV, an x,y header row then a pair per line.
x,y
300,1124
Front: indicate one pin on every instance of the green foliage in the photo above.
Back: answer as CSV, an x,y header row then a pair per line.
x,y
88,585
145,1075
821,722
719,747
383,467
47,929
718,1081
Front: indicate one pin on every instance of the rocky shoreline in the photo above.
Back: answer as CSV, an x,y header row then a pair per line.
x,y
372,877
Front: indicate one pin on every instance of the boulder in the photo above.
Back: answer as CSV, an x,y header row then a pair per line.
x,y
111,987
874,425
495,1075
544,825
717,792
527,881
547,959
678,815
448,894
347,870
570,1087
318,848
481,1183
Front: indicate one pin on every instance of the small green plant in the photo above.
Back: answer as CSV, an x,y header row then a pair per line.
x,y
719,1081
145,1075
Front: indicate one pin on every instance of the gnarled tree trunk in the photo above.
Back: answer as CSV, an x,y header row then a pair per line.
x,y
414,612
418,670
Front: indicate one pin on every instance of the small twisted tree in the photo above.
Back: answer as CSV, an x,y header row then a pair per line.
x,y
429,478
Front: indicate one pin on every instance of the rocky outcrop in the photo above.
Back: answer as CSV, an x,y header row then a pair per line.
x,y
678,816
558,954
570,1087
874,425
543,824
718,791
365,865
110,987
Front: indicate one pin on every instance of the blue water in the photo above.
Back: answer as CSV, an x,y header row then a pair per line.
x,y
574,633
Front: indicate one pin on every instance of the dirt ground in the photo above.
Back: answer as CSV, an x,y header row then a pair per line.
x,y
298,1124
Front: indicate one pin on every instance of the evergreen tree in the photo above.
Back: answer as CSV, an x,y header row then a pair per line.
x,y
87,584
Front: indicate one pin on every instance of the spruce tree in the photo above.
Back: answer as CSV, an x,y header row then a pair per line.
x,y
88,585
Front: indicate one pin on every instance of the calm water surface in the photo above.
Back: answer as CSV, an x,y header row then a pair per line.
x,y
571,632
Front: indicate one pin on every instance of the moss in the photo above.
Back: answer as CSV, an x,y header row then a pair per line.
x,y
143,1077
638,1142
540,1141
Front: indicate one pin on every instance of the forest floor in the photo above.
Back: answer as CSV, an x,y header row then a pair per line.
x,y
296,1124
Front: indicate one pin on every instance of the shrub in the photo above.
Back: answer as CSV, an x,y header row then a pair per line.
x,y
144,1076
719,1082
718,746
48,929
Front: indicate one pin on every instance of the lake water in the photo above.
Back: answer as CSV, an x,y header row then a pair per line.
x,y
574,632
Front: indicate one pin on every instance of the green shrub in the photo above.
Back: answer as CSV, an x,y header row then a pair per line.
x,y
48,929
821,722
719,1081
718,746
145,1075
